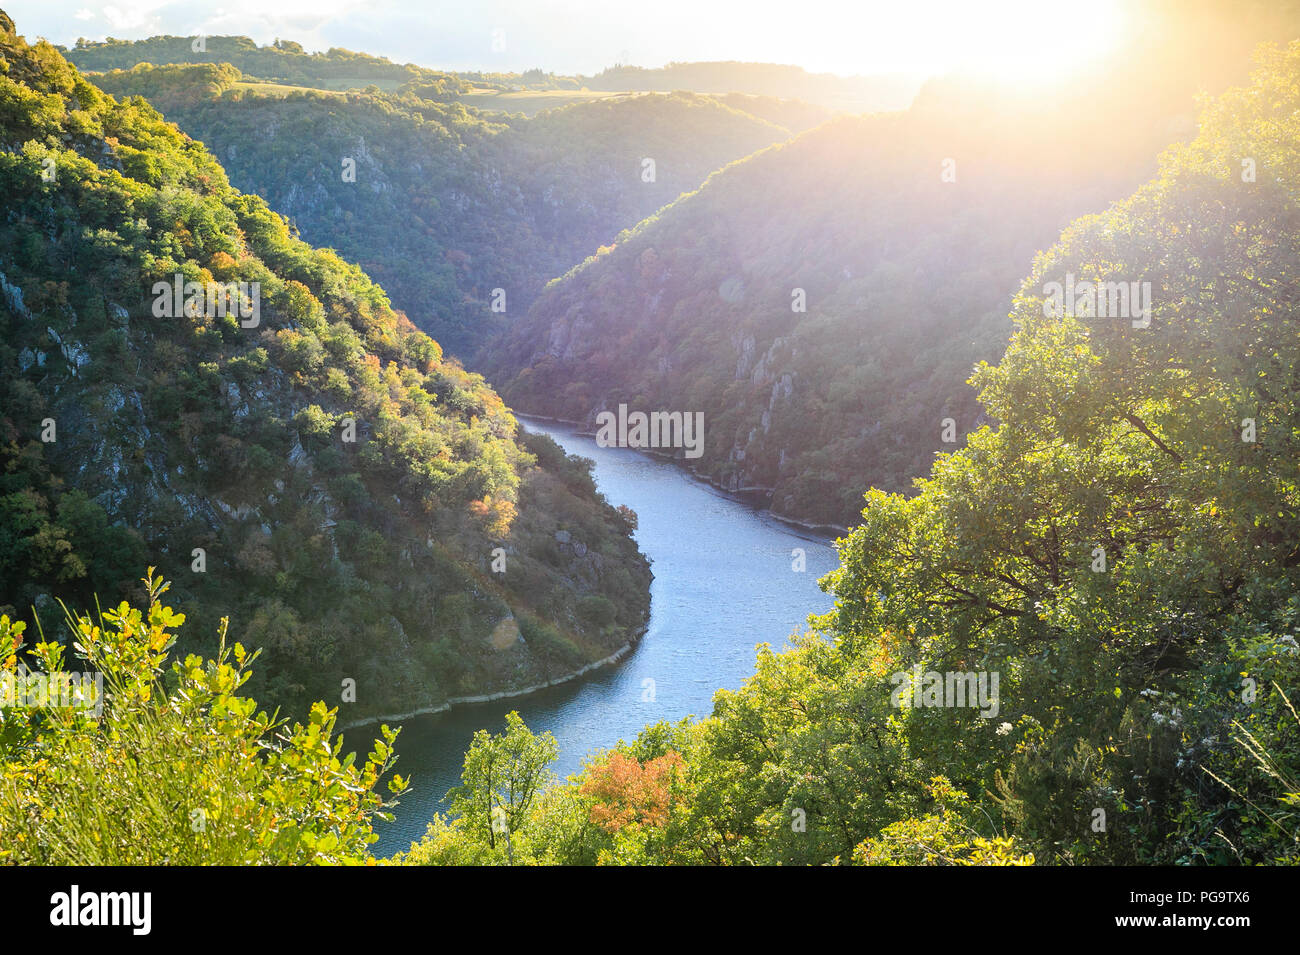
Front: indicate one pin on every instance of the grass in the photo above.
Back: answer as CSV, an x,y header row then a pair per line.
x,y
279,89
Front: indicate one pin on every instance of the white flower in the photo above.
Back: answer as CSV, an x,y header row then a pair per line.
x,y
1003,729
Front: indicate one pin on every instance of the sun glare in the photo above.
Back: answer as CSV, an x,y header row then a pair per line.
x,y
1031,41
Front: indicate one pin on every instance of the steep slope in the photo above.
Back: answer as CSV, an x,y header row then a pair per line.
x,y
286,448
904,277
1123,547
1077,642
794,114
901,236
445,206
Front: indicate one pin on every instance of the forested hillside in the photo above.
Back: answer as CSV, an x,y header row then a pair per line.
x,y
442,205
275,437
282,62
825,330
823,302
1116,561
1034,345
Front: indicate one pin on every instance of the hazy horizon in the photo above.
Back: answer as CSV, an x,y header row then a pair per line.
x,y
925,38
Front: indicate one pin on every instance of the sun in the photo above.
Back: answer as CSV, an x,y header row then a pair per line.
x,y
1030,41
1036,41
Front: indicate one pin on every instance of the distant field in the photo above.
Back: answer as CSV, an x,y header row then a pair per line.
x,y
279,89
361,82
530,102
335,85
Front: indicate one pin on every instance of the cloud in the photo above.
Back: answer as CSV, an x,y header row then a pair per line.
x,y
134,17
300,20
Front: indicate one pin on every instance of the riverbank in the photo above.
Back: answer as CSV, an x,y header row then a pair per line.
x,y
754,496
456,701
724,582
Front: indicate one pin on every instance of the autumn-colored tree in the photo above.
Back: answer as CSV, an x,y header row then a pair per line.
x,y
629,792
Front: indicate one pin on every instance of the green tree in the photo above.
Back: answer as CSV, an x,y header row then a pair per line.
x,y
501,780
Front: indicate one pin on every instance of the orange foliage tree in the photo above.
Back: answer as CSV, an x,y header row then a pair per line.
x,y
630,792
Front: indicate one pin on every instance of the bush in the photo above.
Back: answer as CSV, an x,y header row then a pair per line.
x,y
177,770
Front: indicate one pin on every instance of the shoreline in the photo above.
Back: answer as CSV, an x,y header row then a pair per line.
x,y
828,531
456,701
743,495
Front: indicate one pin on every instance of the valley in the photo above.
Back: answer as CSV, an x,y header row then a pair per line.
x,y
706,463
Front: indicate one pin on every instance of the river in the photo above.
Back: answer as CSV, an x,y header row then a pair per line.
x,y
724,582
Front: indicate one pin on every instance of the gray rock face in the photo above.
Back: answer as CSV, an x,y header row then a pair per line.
x,y
297,455
76,355
13,296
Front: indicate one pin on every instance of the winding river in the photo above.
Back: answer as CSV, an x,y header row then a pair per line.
x,y
724,583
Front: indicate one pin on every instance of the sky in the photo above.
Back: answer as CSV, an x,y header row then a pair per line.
x,y
847,37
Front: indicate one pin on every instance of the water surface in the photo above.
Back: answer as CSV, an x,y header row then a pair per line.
x,y
723,583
